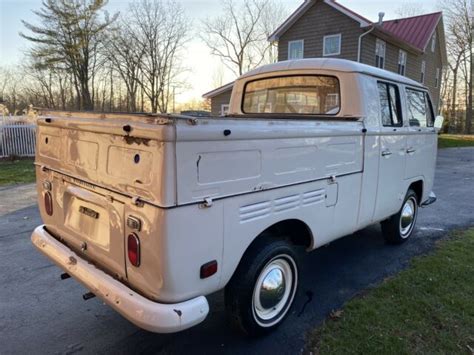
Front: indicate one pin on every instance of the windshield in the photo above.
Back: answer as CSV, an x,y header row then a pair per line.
x,y
302,94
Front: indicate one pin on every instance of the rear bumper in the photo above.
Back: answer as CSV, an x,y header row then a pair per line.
x,y
146,314
431,199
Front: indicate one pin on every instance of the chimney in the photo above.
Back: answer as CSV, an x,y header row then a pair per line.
x,y
381,15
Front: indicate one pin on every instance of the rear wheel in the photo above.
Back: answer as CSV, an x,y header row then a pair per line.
x,y
399,227
263,288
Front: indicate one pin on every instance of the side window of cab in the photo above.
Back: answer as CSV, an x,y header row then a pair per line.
x,y
419,109
390,105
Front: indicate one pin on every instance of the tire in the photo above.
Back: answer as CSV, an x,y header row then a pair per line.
x,y
252,308
399,227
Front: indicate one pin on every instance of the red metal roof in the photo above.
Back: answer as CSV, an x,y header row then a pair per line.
x,y
415,30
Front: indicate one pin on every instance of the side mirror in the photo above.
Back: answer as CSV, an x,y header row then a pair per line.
x,y
438,123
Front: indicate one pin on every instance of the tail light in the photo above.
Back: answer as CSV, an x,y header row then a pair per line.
x,y
133,247
48,203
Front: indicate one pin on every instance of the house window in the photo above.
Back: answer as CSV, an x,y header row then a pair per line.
x,y
224,109
420,111
402,62
331,103
423,71
332,45
433,42
390,107
296,49
438,74
380,53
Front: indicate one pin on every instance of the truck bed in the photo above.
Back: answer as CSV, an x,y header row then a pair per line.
x,y
169,160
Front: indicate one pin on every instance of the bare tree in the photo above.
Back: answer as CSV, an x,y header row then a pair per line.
x,y
459,34
12,81
125,54
409,9
68,38
159,29
239,35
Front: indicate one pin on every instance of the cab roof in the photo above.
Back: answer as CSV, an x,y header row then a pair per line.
x,y
331,64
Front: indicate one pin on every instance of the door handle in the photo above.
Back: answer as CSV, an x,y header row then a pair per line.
x,y
411,150
386,153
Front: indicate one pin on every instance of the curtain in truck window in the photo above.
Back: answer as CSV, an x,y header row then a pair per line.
x,y
302,94
390,105
420,113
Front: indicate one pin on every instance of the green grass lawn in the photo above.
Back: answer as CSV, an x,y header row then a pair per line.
x,y
17,172
455,141
426,309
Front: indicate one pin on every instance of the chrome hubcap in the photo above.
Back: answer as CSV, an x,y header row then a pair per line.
x,y
274,291
407,217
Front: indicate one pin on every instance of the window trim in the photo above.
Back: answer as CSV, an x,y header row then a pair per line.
x,y
303,115
302,48
433,42
398,103
338,35
427,97
431,108
404,66
423,71
378,40
222,110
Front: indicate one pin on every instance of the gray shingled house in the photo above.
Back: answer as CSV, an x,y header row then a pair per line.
x,y
413,46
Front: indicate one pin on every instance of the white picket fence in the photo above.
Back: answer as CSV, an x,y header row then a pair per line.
x,y
17,137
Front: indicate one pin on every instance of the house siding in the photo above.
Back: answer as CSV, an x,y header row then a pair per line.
x,y
434,61
321,20
218,100
413,67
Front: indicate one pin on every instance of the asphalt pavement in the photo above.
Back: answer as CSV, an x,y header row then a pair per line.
x,y
41,314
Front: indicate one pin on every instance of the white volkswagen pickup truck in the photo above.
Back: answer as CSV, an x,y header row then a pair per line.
x,y
152,213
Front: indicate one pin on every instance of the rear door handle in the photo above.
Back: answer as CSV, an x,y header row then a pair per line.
x,y
386,153
411,150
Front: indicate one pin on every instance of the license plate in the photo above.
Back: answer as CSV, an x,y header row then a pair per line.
x,y
89,212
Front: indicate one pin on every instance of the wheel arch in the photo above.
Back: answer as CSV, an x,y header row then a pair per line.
x,y
417,186
296,231
293,229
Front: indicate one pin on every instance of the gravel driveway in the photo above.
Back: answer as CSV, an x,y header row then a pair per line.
x,y
41,314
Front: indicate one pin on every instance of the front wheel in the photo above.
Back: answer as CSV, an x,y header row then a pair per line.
x,y
263,288
399,227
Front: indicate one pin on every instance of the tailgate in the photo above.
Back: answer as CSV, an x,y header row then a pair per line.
x,y
89,223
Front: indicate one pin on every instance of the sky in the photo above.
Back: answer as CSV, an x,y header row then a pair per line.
x,y
201,65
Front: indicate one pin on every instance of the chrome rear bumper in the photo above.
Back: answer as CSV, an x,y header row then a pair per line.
x,y
144,313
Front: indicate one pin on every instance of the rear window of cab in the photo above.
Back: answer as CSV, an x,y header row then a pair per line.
x,y
293,95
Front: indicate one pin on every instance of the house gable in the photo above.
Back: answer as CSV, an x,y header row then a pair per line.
x,y
319,20
304,7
